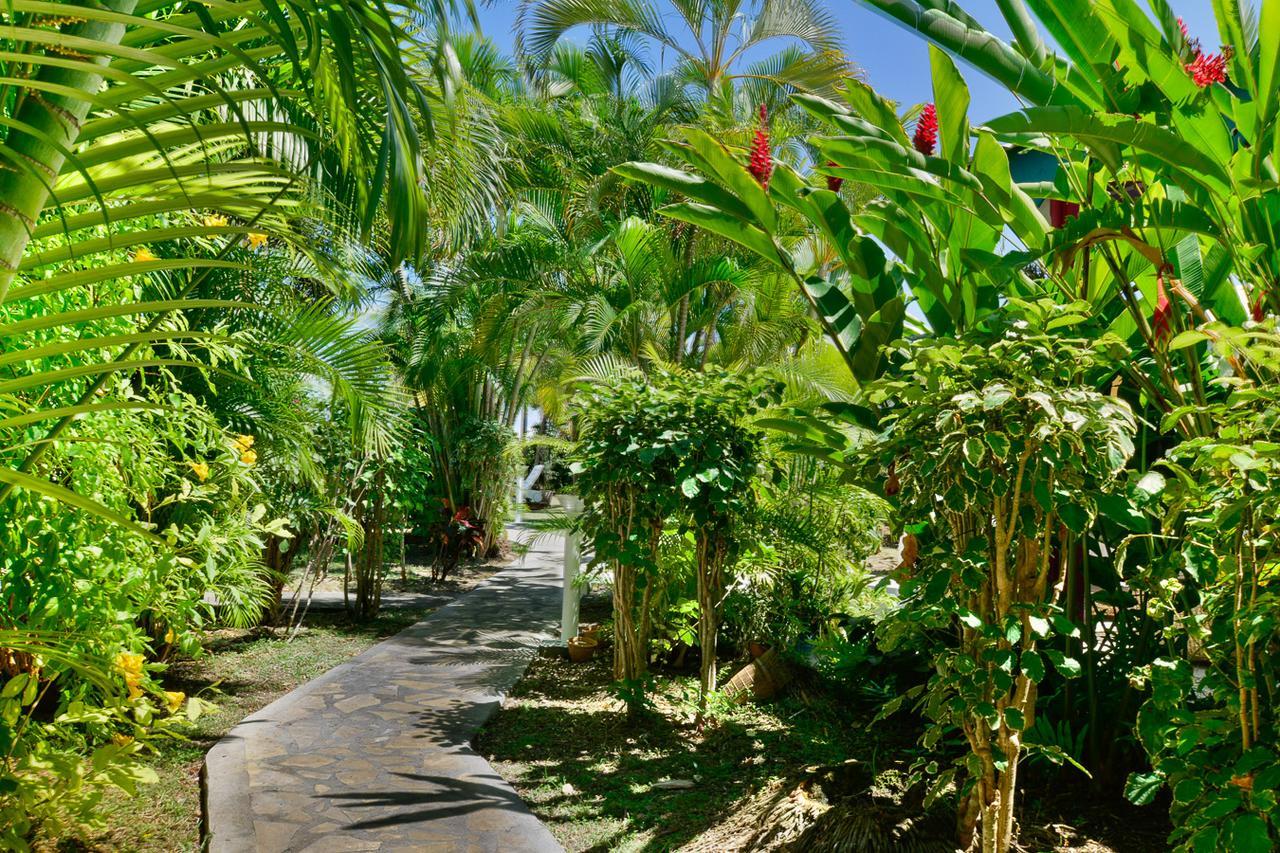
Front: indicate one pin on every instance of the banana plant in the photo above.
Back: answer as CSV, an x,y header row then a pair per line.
x,y
924,241
1168,148
153,142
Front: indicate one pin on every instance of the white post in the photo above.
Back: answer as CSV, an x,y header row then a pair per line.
x,y
572,557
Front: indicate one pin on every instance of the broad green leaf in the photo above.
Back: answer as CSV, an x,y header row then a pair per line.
x,y
1014,719
974,451
951,99
1141,788
718,222
1033,666
1189,338
1249,834
693,186
1069,667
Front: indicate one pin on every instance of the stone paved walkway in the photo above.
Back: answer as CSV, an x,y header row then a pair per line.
x,y
375,754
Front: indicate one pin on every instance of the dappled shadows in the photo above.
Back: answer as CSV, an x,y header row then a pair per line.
x,y
568,746
427,797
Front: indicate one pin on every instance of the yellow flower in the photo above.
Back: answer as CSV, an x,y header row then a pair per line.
x,y
169,637
121,739
243,442
130,666
143,254
257,240
173,700
201,470
129,663
249,457
215,220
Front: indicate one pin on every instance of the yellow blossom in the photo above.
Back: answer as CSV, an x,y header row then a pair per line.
x,y
130,666
215,220
243,442
121,739
173,700
143,254
249,457
201,470
257,240
169,637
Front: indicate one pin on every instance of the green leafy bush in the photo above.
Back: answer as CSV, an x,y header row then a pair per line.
x,y
994,447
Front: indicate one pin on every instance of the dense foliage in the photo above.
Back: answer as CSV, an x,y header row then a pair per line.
x,y
284,288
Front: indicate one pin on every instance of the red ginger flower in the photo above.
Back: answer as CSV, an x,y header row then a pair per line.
x,y
1207,69
833,183
761,165
926,135
1164,311
1259,309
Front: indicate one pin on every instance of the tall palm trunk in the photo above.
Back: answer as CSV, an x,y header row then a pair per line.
x,y
45,128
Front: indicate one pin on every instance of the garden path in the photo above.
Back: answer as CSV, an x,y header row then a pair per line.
x,y
375,755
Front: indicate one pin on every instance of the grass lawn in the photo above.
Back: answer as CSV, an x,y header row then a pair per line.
x,y
242,671
762,774
589,774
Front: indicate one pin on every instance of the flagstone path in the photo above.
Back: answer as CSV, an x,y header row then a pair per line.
x,y
375,754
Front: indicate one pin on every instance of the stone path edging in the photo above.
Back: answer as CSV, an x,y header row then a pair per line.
x,y
375,754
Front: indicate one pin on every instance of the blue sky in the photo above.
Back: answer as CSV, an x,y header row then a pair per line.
x,y
895,60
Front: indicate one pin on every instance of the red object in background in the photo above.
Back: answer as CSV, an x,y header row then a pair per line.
x,y
1164,310
833,183
1061,211
1208,68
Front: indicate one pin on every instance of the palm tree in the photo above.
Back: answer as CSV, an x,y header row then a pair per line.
x,y
152,145
715,44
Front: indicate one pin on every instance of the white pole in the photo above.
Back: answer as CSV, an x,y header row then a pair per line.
x,y
572,558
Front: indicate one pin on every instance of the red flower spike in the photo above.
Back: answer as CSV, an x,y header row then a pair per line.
x,y
1259,309
833,183
761,165
1207,69
1182,27
1160,327
926,135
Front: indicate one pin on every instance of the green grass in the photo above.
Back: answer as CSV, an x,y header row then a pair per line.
x,y
563,741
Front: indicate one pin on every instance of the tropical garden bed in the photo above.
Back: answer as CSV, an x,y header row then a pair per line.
x,y
281,281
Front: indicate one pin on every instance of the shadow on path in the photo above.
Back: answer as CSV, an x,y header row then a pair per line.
x,y
375,754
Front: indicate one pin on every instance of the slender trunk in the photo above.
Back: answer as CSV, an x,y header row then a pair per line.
x,y
682,326
44,129
710,570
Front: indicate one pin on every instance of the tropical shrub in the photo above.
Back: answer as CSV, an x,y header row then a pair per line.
x,y
995,450
673,449
1209,722
802,574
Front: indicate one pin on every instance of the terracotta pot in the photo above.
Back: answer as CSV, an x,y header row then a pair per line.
x,y
582,648
756,649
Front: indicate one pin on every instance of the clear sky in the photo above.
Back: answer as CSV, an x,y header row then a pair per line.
x,y
896,61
